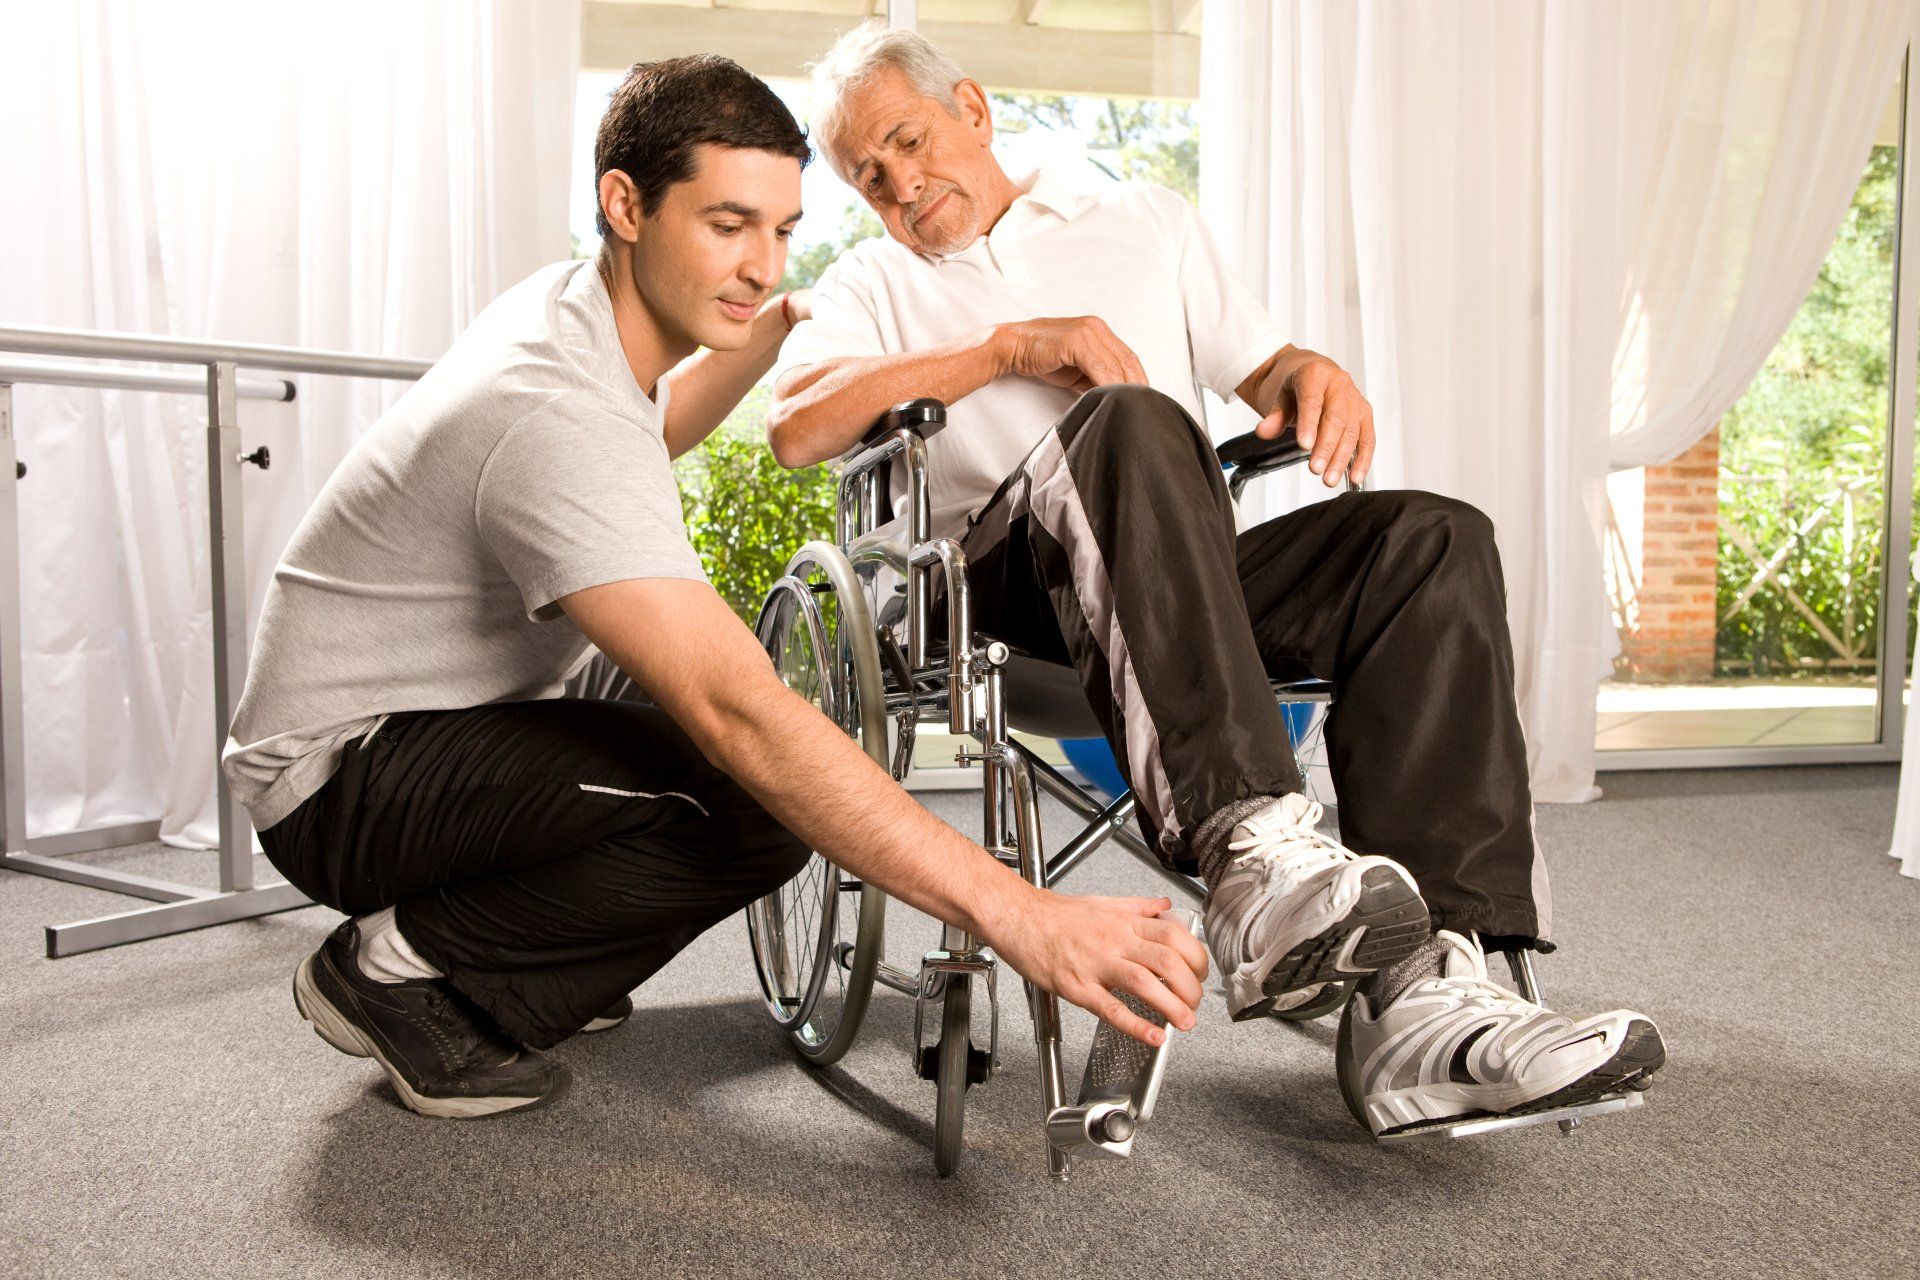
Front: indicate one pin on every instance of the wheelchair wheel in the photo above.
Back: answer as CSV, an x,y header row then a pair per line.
x,y
817,939
950,1080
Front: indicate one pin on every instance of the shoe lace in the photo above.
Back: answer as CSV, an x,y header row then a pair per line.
x,y
1299,847
466,1043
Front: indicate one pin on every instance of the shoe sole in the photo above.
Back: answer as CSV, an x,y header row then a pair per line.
x,y
1387,924
1641,1053
339,1031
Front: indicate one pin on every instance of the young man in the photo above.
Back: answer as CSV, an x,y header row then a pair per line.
x,y
1070,329
512,862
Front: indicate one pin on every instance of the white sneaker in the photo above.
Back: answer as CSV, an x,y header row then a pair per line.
x,y
1294,910
1458,1045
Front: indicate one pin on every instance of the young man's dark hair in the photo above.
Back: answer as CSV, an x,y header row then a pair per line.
x,y
663,110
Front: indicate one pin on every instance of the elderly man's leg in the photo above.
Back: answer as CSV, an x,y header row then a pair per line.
x,y
512,870
1114,547
1397,597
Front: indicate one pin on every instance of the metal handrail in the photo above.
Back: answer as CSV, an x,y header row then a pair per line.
x,y
46,341
51,373
182,907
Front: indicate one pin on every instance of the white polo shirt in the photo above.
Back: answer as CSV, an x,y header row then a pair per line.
x,y
1133,254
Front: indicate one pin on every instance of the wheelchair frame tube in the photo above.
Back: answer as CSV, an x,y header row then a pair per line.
x,y
1044,1005
858,513
1075,799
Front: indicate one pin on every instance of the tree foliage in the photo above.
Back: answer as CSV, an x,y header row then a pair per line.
x,y
1802,458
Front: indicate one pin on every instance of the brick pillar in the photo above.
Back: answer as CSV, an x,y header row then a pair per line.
x,y
1679,547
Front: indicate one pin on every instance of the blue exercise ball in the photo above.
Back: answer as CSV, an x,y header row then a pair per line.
x,y
1094,758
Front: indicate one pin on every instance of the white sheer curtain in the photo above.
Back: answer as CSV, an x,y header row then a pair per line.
x,y
1463,200
360,176
1906,816
1751,126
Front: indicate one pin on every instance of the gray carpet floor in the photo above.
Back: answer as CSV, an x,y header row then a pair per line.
x,y
167,1114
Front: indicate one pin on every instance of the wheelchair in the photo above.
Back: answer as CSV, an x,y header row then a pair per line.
x,y
852,626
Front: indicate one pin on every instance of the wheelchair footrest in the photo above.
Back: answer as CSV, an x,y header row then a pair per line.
x,y
1568,1118
1120,1085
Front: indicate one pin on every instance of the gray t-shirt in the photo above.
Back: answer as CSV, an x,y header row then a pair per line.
x,y
525,465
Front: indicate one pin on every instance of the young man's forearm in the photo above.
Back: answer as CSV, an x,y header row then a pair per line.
x,y
708,384
821,410
827,791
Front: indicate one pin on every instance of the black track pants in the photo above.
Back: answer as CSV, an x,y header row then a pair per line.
x,y
1114,548
546,856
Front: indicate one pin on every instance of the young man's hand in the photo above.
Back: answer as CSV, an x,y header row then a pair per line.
x,y
1084,949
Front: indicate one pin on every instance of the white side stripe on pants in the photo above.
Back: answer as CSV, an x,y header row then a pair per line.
x,y
648,795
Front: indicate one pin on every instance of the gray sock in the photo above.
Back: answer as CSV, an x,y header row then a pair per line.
x,y
1209,843
1383,987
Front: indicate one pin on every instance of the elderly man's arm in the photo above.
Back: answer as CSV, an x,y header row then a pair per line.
x,y
820,410
1333,420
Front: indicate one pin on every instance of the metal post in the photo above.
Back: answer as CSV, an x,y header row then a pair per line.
x,y
13,742
226,542
1894,572
1044,1005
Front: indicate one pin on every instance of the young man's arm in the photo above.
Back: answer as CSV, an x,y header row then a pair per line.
x,y
685,647
708,384
820,410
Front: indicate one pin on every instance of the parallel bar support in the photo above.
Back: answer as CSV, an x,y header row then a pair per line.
x,y
172,918
13,744
103,878
226,529
65,842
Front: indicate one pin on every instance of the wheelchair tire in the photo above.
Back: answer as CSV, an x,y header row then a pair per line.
x,y
950,1079
817,939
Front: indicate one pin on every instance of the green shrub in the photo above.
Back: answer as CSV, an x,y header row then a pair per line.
x,y
745,513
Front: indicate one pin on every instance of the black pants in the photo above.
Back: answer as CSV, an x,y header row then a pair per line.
x,y
546,856
1114,548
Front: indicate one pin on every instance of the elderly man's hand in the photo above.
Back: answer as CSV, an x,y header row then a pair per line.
x,y
1333,421
1075,352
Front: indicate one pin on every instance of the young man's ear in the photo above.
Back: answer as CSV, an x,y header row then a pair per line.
x,y
970,100
620,202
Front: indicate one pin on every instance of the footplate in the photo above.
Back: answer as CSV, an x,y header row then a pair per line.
x,y
1568,1118
1121,1082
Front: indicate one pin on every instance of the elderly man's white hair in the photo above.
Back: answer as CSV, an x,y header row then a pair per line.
x,y
854,59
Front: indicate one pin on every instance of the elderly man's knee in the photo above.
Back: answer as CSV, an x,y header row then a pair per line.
x,y
1141,413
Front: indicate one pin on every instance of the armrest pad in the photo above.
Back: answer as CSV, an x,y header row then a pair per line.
x,y
1250,453
925,415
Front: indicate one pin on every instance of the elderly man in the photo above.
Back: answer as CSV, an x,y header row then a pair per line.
x,y
1070,331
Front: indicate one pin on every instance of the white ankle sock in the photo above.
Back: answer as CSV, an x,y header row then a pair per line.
x,y
385,953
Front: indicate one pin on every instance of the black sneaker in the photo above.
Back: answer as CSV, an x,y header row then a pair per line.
x,y
441,1059
614,1014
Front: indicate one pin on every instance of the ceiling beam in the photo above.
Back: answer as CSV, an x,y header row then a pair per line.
x,y
1141,64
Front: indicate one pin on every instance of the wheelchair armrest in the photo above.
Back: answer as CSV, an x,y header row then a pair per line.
x,y
925,415
1251,455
